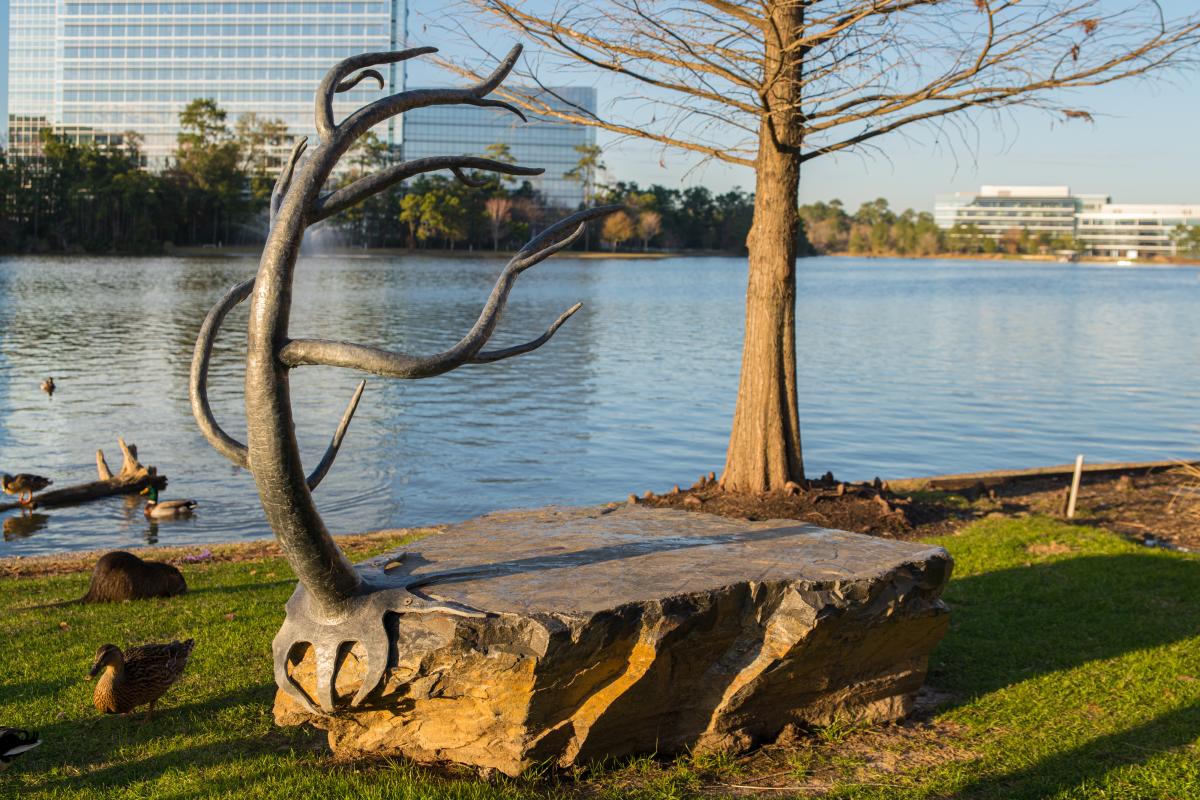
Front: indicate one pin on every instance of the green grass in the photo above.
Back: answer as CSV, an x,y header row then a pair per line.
x,y
1072,671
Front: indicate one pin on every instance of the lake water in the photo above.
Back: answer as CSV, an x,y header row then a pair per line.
x,y
907,368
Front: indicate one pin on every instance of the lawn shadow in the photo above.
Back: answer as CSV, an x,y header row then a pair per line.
x,y
15,692
1065,771
1014,624
95,769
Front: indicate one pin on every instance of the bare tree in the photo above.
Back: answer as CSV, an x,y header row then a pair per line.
x,y
337,603
649,225
772,84
499,212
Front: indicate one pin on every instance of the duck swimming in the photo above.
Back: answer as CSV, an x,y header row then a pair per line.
x,y
166,509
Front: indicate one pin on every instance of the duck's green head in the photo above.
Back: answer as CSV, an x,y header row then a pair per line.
x,y
152,493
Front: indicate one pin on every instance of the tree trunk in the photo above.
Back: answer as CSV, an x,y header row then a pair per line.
x,y
764,444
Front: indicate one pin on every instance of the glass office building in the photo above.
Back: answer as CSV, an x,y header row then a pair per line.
x,y
468,130
93,70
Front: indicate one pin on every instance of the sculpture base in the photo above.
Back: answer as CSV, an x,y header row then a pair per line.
x,y
635,630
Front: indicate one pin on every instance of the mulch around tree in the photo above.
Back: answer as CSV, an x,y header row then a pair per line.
x,y
861,507
1158,508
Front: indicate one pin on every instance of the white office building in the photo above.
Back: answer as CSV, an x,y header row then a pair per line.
x,y
1096,225
1133,231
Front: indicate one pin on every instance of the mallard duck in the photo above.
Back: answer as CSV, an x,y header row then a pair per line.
x,y
48,386
23,484
138,676
167,509
14,741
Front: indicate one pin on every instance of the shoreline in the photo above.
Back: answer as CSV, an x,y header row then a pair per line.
x,y
75,561
253,251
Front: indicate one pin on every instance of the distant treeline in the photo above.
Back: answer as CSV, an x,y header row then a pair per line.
x,y
95,197
875,229
100,198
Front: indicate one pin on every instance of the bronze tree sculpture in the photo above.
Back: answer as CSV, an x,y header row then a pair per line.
x,y
335,603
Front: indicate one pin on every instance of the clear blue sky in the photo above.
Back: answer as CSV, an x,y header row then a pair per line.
x,y
1144,146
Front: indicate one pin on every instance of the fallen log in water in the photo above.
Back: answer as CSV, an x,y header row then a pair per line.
x,y
132,479
967,480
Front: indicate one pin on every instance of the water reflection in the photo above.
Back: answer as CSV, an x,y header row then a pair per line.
x,y
906,368
18,525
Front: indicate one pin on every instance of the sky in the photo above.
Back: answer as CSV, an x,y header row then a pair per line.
x,y
1143,147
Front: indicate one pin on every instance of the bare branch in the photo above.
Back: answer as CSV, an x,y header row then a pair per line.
x,y
844,71
301,352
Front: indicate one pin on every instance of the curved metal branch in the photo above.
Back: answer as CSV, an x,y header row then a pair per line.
x,y
318,474
332,82
372,114
369,185
284,181
467,180
350,83
221,441
301,352
488,356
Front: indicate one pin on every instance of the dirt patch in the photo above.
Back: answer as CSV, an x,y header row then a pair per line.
x,y
65,563
860,507
1155,507
1050,548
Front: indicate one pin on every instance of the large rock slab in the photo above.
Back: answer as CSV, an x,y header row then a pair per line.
x,y
618,631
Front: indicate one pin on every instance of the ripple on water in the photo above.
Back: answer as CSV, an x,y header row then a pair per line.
x,y
906,368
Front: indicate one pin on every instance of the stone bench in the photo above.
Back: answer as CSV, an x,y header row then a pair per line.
x,y
635,630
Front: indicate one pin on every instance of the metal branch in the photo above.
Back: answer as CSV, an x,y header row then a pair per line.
x,y
364,187
301,352
221,441
350,83
284,181
488,356
548,242
333,82
318,474
370,115
467,180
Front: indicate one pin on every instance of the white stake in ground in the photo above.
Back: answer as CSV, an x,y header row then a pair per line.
x,y
1075,486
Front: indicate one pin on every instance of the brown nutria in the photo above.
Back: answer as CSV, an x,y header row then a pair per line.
x,y
121,576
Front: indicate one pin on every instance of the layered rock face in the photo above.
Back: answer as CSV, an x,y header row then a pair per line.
x,y
635,630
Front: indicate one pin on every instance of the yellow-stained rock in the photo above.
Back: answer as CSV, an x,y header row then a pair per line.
x,y
614,632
